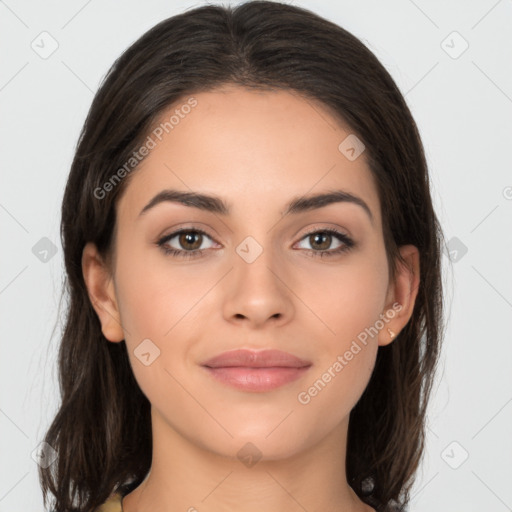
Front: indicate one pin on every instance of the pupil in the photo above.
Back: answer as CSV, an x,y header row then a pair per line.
x,y
325,245
187,238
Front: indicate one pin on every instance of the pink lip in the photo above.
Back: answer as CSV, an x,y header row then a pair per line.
x,y
256,371
256,359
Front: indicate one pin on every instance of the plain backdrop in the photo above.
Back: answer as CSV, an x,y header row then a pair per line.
x,y
451,60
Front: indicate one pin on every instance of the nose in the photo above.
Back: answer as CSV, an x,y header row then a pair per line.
x,y
258,293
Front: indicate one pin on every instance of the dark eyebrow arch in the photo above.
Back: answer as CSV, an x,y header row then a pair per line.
x,y
215,204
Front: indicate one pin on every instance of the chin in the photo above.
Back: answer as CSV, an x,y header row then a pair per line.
x,y
256,446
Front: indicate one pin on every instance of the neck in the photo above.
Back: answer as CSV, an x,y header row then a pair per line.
x,y
188,477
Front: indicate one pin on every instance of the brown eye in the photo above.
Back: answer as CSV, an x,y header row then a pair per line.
x,y
188,243
320,240
190,240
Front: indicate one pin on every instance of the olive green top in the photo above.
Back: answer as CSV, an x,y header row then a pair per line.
x,y
113,504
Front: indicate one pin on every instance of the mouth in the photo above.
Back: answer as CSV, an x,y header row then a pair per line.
x,y
260,371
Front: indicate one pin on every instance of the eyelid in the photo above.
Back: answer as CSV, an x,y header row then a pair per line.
x,y
310,231
345,239
316,229
184,229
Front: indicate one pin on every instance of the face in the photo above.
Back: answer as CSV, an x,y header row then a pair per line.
x,y
312,282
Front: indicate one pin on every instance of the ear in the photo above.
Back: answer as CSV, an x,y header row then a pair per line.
x,y
100,287
401,295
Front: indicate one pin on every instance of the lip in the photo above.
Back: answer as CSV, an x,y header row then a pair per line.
x,y
257,371
256,359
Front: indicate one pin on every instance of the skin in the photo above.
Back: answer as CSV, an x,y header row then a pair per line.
x,y
256,151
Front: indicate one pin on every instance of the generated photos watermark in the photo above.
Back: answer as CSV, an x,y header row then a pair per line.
x,y
305,397
150,143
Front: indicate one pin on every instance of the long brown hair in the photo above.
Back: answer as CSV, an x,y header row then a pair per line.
x,y
102,430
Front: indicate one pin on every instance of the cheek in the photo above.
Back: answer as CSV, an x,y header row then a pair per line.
x,y
159,311
349,301
152,298
347,298
336,386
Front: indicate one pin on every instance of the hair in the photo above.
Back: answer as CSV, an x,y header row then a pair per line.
x,y
102,429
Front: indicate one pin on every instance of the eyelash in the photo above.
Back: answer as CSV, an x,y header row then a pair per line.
x,y
348,244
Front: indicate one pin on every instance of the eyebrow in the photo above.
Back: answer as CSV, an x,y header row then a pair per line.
x,y
215,204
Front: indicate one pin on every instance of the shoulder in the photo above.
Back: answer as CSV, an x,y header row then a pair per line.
x,y
113,504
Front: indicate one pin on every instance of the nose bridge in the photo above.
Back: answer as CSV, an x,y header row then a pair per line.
x,y
254,262
257,289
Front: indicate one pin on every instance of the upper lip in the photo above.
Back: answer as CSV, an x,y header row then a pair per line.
x,y
256,359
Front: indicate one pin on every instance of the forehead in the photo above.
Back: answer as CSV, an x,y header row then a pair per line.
x,y
248,147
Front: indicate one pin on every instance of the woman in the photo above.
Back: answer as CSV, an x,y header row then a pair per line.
x,y
253,270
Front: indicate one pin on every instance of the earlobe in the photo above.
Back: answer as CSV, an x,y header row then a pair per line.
x,y
100,288
402,294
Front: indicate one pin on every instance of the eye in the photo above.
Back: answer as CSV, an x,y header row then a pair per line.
x,y
321,240
190,239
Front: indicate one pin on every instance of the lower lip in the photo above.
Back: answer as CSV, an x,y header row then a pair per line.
x,y
256,379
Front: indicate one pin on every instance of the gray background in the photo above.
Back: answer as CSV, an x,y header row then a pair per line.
x,y
462,102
